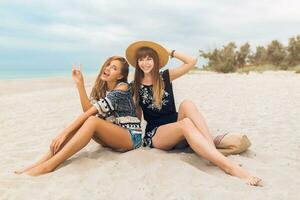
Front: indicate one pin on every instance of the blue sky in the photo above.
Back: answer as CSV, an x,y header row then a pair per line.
x,y
54,34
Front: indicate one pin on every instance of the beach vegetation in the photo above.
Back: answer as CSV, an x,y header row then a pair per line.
x,y
274,56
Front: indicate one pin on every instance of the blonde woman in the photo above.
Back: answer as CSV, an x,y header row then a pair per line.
x,y
109,119
166,128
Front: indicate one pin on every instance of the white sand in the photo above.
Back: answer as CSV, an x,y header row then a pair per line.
x,y
265,106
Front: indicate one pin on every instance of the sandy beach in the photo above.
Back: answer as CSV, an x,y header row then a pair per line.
x,y
264,106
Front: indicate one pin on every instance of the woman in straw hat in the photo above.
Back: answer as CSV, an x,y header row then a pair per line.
x,y
166,128
115,124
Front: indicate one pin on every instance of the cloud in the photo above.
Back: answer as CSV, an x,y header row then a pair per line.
x,y
107,27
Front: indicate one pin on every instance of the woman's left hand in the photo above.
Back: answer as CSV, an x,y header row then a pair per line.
x,y
56,143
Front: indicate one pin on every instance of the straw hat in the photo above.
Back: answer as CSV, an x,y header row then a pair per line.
x,y
161,51
232,143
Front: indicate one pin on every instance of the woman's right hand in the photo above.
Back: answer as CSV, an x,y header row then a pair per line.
x,y
56,143
77,75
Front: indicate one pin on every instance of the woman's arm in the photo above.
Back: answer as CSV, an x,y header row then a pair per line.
x,y
188,63
84,99
103,107
77,123
78,79
71,129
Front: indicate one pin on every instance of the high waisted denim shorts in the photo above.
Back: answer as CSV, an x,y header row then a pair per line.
x,y
136,138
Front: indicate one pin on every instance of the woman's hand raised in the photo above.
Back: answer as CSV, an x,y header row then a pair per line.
x,y
77,75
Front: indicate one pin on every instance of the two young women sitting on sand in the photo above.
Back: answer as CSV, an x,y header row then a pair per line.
x,y
113,112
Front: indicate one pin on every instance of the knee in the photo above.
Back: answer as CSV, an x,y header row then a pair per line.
x,y
186,104
91,120
186,125
186,121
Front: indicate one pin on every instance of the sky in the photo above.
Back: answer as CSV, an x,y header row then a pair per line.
x,y
54,34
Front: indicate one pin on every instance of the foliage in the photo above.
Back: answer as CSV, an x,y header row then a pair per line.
x,y
275,55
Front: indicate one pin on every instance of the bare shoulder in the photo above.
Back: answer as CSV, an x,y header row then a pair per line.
x,y
122,86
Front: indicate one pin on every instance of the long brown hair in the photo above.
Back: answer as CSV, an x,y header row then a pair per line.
x,y
100,86
157,82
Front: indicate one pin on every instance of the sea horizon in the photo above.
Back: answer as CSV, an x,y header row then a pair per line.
x,y
16,74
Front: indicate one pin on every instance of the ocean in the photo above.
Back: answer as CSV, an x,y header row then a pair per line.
x,y
12,74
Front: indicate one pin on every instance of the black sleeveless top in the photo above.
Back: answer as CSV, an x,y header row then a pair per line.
x,y
154,116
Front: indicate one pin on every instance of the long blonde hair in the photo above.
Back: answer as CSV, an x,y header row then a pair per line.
x,y
100,86
158,84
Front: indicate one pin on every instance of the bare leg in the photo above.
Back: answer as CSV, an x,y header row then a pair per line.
x,y
187,109
46,157
168,135
111,134
96,139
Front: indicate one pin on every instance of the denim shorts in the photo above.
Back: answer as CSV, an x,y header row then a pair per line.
x,y
136,138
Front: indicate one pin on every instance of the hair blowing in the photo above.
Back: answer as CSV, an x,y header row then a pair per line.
x,y
158,84
100,86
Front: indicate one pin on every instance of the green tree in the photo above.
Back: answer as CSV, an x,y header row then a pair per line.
x,y
223,60
276,53
259,57
293,49
228,59
243,55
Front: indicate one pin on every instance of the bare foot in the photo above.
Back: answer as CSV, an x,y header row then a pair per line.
x,y
38,170
253,181
244,175
20,171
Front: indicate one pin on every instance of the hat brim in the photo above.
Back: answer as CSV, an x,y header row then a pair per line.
x,y
161,51
232,143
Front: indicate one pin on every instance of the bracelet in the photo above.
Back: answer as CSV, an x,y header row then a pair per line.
x,y
172,54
